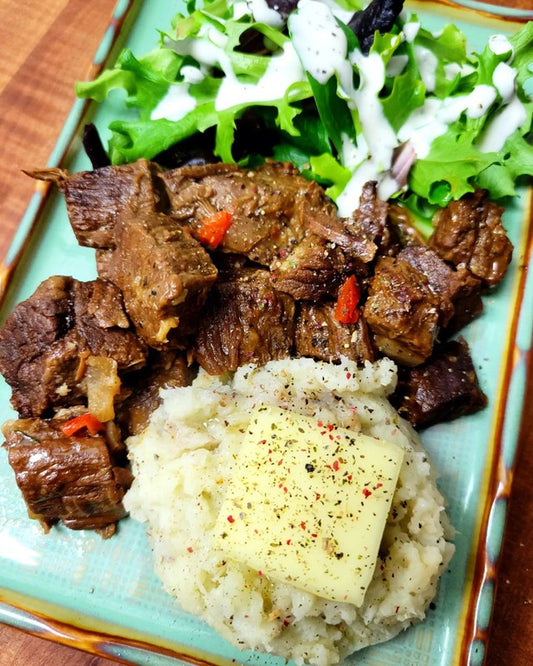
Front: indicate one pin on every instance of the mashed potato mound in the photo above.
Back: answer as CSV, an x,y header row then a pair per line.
x,y
183,460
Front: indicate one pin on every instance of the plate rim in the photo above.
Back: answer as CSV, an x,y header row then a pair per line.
x,y
485,566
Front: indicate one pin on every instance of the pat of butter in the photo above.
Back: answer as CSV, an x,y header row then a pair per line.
x,y
307,503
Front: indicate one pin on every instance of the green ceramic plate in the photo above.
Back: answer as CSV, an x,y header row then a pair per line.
x,y
103,596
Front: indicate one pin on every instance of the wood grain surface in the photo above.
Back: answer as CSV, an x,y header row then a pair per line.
x,y
46,46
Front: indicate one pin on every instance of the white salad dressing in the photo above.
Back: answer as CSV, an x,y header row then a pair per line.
x,y
283,70
396,65
427,65
206,49
410,30
503,78
321,43
500,128
319,47
176,104
499,44
262,13
510,117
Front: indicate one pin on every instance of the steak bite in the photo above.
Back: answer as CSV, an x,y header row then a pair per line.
x,y
265,204
319,335
72,479
164,275
96,198
245,321
48,341
402,312
458,291
469,233
442,389
313,269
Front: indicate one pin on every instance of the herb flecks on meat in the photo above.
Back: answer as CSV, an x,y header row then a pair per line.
x,y
164,304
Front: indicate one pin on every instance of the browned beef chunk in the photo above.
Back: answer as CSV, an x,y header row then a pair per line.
x,y
266,205
371,221
362,235
167,369
48,340
458,291
164,275
467,302
314,268
319,335
442,389
402,312
245,321
72,479
404,229
469,233
95,198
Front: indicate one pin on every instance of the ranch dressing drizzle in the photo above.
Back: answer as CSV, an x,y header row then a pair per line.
x,y
262,13
176,104
283,70
321,44
510,117
379,136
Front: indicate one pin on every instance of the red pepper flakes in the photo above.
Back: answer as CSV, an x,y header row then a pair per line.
x,y
336,465
213,228
378,485
231,519
314,536
366,492
317,496
260,574
330,426
302,525
346,306
348,375
396,609
288,542
350,477
190,549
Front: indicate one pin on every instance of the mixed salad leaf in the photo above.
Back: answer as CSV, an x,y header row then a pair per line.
x,y
343,109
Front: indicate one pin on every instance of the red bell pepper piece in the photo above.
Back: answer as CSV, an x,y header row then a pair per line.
x,y
76,424
346,311
213,228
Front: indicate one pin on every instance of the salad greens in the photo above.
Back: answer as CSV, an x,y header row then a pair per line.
x,y
342,116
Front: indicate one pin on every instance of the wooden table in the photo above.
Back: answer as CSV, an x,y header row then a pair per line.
x,y
46,46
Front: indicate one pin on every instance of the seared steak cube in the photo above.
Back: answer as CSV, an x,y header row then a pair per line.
x,y
442,389
95,198
402,312
469,233
265,204
245,321
72,479
319,335
164,275
46,341
313,269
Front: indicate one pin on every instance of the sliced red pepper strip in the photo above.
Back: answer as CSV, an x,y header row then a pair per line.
x,y
213,228
76,424
346,311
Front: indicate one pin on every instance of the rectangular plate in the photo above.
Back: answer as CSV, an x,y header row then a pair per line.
x,y
102,596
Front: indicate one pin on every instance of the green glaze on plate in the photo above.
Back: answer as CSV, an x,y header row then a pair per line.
x,y
103,596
